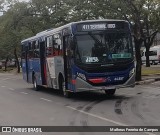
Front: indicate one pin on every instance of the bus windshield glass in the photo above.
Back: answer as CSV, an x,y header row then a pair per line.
x,y
106,48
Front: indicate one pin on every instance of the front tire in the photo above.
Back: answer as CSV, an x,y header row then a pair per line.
x,y
110,92
153,62
62,87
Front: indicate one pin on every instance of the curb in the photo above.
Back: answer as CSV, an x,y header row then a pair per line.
x,y
151,74
147,81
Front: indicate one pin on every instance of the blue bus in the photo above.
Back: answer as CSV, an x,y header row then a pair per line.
x,y
81,56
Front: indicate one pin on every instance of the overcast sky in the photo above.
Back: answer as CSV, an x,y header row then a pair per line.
x,y
20,1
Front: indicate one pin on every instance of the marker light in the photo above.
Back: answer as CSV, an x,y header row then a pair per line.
x,y
97,80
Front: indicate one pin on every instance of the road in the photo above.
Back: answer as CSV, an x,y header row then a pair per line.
x,y
20,105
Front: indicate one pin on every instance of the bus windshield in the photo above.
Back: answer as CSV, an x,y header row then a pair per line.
x,y
103,48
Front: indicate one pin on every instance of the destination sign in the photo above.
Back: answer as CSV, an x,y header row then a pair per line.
x,y
100,26
91,27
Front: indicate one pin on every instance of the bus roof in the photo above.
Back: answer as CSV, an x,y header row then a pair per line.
x,y
52,30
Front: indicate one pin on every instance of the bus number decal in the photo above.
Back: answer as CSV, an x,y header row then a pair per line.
x,y
111,26
92,59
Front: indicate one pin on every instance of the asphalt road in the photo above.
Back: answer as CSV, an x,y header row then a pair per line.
x,y
20,105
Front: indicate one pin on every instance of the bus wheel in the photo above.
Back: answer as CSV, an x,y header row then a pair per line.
x,y
35,86
62,87
110,92
153,63
66,93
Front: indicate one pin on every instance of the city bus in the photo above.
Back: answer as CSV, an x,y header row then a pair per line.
x,y
81,56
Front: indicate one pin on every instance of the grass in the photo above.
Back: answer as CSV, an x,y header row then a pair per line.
x,y
150,70
8,70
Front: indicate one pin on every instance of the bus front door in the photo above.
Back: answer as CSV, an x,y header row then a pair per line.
x,y
26,63
42,62
67,62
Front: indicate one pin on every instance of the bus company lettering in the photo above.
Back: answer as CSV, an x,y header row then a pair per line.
x,y
118,78
82,76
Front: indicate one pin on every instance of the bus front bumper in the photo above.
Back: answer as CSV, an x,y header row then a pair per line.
x,y
82,85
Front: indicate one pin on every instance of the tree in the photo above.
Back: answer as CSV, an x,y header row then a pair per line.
x,y
9,32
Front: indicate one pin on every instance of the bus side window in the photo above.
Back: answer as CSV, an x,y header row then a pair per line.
x,y
30,48
49,46
36,49
57,44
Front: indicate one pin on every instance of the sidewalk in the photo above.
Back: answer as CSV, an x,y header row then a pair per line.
x,y
148,79
150,74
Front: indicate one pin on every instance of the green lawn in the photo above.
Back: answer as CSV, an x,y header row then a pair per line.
x,y
150,70
8,70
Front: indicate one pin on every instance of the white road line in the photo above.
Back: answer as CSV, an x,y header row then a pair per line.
x,y
11,89
5,79
124,94
102,118
3,86
24,93
46,99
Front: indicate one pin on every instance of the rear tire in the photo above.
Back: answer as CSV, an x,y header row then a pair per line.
x,y
35,86
153,62
110,92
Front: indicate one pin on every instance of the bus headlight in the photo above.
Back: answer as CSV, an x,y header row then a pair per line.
x,y
131,72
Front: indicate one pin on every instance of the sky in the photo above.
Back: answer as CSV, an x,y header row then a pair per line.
x,y
20,1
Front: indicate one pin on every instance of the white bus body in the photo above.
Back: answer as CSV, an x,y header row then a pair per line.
x,y
154,55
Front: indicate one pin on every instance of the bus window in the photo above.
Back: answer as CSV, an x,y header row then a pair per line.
x,y
152,53
30,50
49,41
36,49
49,46
57,44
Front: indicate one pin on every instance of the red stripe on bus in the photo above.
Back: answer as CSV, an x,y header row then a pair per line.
x,y
74,82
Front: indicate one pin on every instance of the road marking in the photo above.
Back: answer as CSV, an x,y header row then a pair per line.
x,y
5,79
3,86
11,89
46,99
125,94
24,93
102,118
